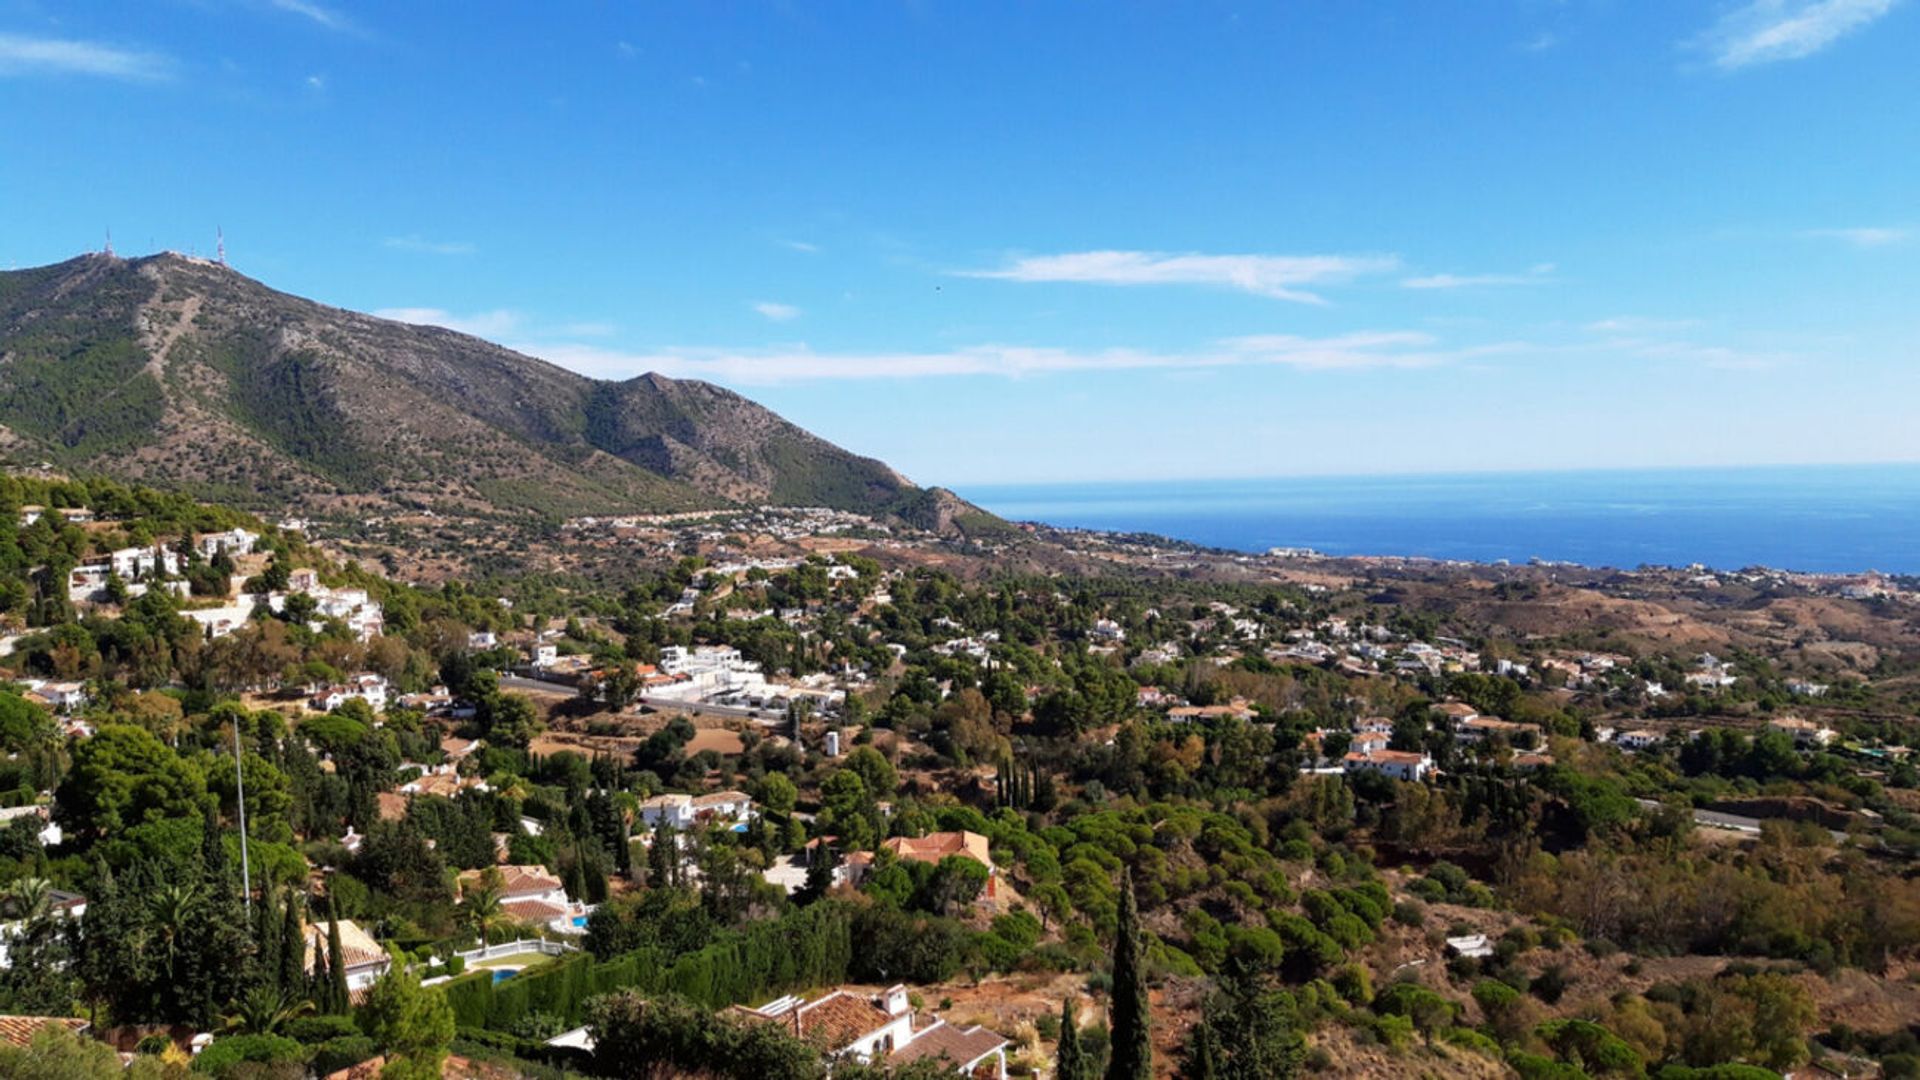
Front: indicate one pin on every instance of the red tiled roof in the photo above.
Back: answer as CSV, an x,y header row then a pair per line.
x,y
945,1040
19,1030
936,846
514,880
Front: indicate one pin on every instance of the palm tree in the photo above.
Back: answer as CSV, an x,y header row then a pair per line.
x,y
174,907
29,898
482,905
264,1010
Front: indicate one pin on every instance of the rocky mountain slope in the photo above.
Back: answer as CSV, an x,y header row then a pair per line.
x,y
181,372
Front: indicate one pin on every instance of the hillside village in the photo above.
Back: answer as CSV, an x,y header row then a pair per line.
x,y
859,804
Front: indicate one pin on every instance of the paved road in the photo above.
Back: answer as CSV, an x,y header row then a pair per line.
x,y
1714,819
535,686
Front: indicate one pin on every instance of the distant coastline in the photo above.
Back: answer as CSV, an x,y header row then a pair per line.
x,y
1816,519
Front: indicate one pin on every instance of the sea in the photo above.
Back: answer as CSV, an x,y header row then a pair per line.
x,y
1817,519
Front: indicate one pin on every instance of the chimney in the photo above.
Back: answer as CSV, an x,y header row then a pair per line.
x,y
897,1003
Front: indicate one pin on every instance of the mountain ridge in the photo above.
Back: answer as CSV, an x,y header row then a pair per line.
x,y
180,371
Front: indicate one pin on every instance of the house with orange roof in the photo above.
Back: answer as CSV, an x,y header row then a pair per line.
x,y
879,1028
532,895
1399,764
20,1030
366,960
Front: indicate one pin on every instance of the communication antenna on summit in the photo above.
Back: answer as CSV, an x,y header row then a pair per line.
x,y
109,250
220,245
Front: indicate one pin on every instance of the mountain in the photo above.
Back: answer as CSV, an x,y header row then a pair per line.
x,y
182,372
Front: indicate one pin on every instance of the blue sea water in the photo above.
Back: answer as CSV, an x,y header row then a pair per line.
x,y
1832,519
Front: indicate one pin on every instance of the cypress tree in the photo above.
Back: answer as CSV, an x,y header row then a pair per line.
x,y
293,947
1129,1016
267,927
1070,1059
338,1000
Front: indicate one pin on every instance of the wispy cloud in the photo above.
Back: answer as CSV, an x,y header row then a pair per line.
x,y
1767,31
1638,324
1367,350
486,324
801,246
1535,275
23,55
1630,337
1869,237
1280,277
321,15
777,312
1540,42
417,243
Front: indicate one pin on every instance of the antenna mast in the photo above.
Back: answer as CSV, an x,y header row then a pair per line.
x,y
109,242
220,245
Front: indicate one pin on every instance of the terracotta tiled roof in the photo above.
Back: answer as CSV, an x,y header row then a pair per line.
x,y
19,1030
936,846
841,1017
945,1040
534,911
514,880
392,807
356,944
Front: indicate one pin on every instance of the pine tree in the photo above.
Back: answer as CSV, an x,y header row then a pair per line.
x,y
1129,1015
1070,1059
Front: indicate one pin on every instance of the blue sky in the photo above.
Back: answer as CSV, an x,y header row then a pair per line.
x,y
1044,241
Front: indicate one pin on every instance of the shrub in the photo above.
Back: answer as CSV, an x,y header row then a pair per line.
x,y
342,1053
223,1054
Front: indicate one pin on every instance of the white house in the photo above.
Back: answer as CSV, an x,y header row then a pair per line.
x,y
49,833
234,541
365,960
366,686
685,811
138,562
1639,739
62,904
532,895
1804,732
879,1028
1399,764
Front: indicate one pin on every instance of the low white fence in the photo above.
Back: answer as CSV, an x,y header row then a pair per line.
x,y
516,948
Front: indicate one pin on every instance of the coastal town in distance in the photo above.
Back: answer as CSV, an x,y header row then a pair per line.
x,y
982,540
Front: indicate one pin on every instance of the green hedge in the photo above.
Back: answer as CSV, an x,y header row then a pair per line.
x,y
810,947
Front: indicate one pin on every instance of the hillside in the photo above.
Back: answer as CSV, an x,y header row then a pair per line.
x,y
180,372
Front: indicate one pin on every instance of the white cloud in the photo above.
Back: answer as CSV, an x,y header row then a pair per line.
x,y
1535,274
23,55
486,324
316,82
324,16
1632,337
1639,324
1277,276
417,243
1346,352
1870,237
777,312
801,246
1766,31
1540,42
